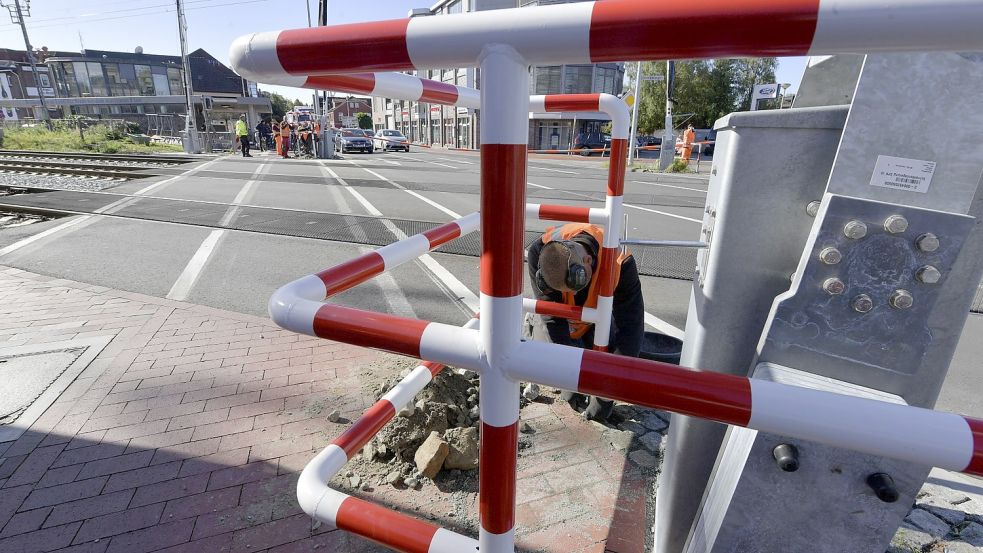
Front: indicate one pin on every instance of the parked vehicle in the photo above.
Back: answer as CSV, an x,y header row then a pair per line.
x,y
388,139
587,141
354,140
711,138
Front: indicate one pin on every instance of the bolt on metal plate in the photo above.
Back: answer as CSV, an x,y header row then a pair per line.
x,y
927,242
862,303
812,208
901,299
855,230
928,275
896,224
830,256
834,286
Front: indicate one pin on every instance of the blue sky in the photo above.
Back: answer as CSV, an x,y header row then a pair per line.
x,y
123,25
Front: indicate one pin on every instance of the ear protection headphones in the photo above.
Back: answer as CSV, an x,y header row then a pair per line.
x,y
576,278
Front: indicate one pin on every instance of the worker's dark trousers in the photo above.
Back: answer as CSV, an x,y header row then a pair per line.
x,y
244,144
596,408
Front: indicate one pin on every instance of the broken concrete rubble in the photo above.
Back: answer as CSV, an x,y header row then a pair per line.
x,y
431,454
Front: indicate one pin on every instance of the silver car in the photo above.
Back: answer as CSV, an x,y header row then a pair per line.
x,y
388,139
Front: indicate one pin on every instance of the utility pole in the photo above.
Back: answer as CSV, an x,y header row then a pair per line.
x,y
632,142
191,144
668,149
17,15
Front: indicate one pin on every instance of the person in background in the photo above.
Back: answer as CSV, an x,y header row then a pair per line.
x,y
689,137
263,130
3,119
562,266
276,138
284,139
242,134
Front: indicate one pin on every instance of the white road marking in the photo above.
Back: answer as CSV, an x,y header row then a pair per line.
x,y
241,197
663,326
398,304
554,170
540,186
670,186
173,179
457,288
420,197
428,161
456,160
34,238
391,162
673,215
182,287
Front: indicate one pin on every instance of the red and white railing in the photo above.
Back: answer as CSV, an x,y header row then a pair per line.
x,y
504,43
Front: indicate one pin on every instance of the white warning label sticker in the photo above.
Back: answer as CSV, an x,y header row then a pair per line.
x,y
913,175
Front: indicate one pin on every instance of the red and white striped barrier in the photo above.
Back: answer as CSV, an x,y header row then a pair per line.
x,y
340,510
390,85
504,43
616,30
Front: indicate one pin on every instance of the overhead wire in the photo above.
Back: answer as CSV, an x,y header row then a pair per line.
x,y
171,9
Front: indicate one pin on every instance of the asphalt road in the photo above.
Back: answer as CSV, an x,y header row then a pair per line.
x,y
239,270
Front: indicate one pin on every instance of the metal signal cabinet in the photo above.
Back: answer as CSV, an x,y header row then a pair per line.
x,y
877,299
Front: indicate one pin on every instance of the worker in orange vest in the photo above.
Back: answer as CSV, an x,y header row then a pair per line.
x,y
562,266
689,137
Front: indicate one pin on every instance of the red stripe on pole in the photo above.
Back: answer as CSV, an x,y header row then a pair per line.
x,y
559,309
601,348
369,329
642,29
363,83
351,273
572,102
438,93
976,464
366,427
553,212
609,259
356,47
385,526
708,395
434,368
503,192
496,477
442,234
616,174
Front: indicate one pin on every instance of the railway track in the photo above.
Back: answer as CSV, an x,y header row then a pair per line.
x,y
71,157
39,167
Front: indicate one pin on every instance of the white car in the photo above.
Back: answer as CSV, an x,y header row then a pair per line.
x,y
388,139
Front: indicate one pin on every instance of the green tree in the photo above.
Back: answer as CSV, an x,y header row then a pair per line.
x,y
364,120
708,90
280,104
749,72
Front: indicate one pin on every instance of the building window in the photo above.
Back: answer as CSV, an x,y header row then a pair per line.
x,y
547,79
175,80
145,80
96,79
606,79
82,79
578,79
455,7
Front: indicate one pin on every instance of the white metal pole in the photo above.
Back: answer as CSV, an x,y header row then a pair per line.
x,y
190,124
632,142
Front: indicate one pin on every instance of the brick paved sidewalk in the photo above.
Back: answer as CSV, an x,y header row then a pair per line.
x,y
187,433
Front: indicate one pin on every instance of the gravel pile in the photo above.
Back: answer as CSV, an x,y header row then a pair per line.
x,y
58,182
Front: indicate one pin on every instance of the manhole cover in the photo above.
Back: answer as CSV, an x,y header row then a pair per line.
x,y
27,376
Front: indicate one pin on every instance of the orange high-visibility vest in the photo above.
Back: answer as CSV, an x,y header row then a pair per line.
x,y
568,232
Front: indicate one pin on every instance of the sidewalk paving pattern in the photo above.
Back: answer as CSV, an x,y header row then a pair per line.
x,y
188,431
